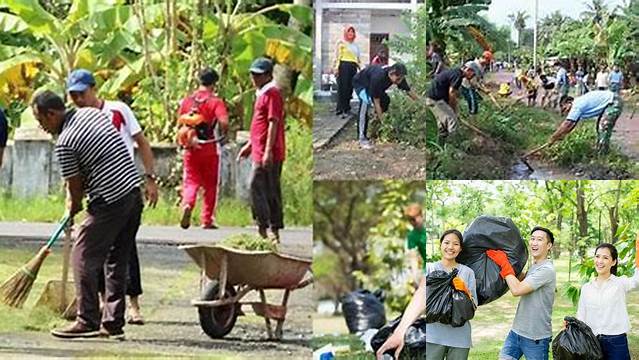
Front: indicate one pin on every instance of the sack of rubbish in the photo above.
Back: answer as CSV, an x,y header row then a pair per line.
x,y
492,233
363,310
248,242
414,340
444,303
576,342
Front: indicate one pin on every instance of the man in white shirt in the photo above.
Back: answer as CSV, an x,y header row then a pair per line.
x,y
81,89
602,78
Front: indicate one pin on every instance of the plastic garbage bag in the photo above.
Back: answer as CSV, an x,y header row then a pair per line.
x,y
445,304
497,233
414,340
576,342
363,310
463,309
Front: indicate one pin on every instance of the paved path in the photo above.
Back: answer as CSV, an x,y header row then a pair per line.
x,y
326,126
296,241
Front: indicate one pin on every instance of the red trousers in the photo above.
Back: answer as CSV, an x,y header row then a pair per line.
x,y
201,169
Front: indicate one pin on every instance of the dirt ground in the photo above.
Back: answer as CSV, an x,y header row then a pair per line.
x,y
170,281
342,159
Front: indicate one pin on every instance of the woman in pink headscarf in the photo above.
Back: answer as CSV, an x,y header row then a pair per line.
x,y
346,66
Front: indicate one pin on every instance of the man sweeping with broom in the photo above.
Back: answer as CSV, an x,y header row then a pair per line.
x,y
95,161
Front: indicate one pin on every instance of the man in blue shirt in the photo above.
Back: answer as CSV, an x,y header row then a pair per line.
x,y
605,105
4,134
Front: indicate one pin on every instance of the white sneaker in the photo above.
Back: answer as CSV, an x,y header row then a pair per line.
x,y
365,144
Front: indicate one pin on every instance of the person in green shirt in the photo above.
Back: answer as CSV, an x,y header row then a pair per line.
x,y
416,239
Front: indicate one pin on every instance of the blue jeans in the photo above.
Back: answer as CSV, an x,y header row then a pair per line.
x,y
515,346
472,98
614,347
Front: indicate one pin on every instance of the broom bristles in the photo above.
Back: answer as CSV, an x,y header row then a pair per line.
x,y
15,290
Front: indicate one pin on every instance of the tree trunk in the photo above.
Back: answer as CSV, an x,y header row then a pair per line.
x,y
613,213
582,215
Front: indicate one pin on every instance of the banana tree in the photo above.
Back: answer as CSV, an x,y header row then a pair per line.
x,y
93,35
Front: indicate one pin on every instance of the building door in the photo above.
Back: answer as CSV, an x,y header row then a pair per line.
x,y
376,43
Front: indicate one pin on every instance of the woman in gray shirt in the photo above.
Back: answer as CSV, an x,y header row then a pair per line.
x,y
442,341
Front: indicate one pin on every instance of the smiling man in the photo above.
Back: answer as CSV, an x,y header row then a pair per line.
x,y
532,329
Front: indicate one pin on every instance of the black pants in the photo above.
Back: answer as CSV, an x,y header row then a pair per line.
x,y
362,113
266,196
133,279
345,73
104,242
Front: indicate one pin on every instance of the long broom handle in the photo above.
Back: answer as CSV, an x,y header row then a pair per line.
x,y
58,231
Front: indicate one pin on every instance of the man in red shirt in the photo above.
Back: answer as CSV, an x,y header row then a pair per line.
x,y
267,149
202,161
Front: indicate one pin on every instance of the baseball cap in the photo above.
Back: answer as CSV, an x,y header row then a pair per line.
x,y
80,80
261,66
474,67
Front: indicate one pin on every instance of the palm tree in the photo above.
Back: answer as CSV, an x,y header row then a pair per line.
x,y
519,22
597,11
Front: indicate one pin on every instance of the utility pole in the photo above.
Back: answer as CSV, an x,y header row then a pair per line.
x,y
535,35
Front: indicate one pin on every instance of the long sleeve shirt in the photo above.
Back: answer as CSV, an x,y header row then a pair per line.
x,y
603,306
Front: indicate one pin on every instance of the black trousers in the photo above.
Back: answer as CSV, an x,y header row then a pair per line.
x,y
104,243
133,278
345,73
266,196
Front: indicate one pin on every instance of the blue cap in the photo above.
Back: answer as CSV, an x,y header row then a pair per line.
x,y
80,80
261,66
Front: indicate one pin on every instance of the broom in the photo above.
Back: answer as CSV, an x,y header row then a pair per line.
x,y
15,290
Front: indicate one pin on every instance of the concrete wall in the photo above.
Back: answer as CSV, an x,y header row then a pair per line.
x,y
30,167
365,23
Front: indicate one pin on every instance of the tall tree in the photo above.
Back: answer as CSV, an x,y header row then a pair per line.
x,y
518,20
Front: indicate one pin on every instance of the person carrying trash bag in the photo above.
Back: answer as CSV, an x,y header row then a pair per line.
x,y
531,332
443,341
414,340
576,342
602,303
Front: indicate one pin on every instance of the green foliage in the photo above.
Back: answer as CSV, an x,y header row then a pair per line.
x,y
406,122
297,182
249,242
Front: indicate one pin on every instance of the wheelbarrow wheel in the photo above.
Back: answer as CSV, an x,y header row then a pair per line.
x,y
217,321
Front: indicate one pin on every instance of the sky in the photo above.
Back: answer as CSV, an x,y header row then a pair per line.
x,y
499,9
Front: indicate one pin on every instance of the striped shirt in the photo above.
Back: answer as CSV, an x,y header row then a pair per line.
x,y
90,146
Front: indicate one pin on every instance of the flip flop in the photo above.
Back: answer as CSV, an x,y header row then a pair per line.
x,y
137,320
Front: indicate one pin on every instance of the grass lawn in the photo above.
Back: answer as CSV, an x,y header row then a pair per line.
x,y
229,212
490,325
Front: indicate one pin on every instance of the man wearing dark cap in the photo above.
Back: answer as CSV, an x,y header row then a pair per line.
x,y
267,149
202,160
370,85
108,176
442,96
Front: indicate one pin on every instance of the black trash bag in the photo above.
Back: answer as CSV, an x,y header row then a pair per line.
x,y
414,340
492,233
576,342
445,304
363,310
463,309
439,296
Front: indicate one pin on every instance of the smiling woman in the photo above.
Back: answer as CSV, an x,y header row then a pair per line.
x,y
602,304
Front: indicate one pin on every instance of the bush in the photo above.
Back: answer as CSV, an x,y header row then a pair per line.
x,y
297,182
407,122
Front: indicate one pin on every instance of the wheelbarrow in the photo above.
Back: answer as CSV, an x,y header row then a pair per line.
x,y
230,274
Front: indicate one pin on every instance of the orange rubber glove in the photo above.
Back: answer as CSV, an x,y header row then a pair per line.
x,y
501,259
460,285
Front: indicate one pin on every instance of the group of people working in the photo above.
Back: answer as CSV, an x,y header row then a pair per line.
x,y
602,304
371,82
95,149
